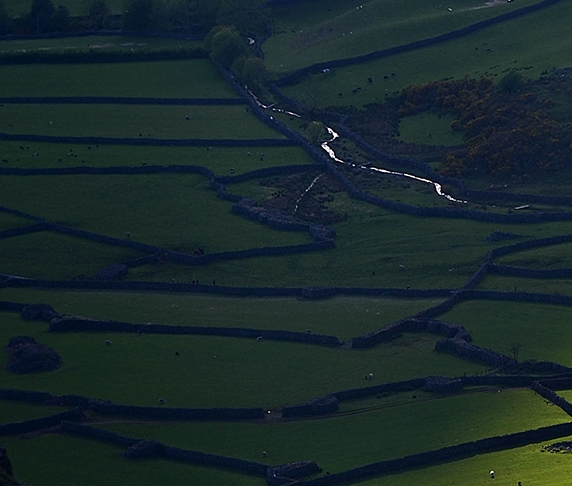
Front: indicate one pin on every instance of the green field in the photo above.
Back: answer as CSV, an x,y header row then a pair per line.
x,y
133,121
513,45
344,317
217,371
348,29
195,78
218,159
81,7
343,441
173,211
374,249
542,329
54,256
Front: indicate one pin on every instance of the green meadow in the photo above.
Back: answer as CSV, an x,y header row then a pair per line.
x,y
193,78
217,371
513,45
344,317
343,441
218,159
374,248
48,255
319,33
81,7
133,121
543,330
174,211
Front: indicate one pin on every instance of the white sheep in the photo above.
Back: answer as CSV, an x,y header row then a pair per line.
x,y
107,342
370,376
492,473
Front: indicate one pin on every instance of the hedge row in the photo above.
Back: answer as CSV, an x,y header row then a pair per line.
x,y
41,423
295,76
462,348
71,323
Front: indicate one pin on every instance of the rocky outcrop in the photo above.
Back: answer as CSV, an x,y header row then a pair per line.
x,y
28,356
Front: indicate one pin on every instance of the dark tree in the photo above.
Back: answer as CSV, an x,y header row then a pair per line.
x,y
226,45
139,16
98,14
5,20
60,19
41,14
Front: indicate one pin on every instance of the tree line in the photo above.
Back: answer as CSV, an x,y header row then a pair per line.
x,y
192,17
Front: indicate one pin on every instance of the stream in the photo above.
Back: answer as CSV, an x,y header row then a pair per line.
x,y
332,154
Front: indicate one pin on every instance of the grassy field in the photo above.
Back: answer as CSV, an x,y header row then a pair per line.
x,y
173,211
194,78
133,121
9,221
435,253
18,412
348,29
429,129
526,464
374,248
245,373
92,43
60,459
513,45
344,317
53,256
346,441
219,159
542,286
543,330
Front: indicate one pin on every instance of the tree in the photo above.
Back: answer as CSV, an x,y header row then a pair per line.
x,y
226,46
41,13
515,350
60,20
511,82
253,73
5,20
98,14
138,16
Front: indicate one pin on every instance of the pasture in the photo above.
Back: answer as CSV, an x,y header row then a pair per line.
x,y
348,29
132,121
513,45
219,159
375,249
193,78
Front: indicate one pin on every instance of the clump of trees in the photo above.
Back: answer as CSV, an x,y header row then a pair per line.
x,y
506,127
227,46
249,17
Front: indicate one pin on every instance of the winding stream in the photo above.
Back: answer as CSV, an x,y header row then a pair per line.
x,y
332,154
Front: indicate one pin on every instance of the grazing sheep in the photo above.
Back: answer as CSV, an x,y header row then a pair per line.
x,y
492,473
259,338
107,342
161,401
370,376
263,453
